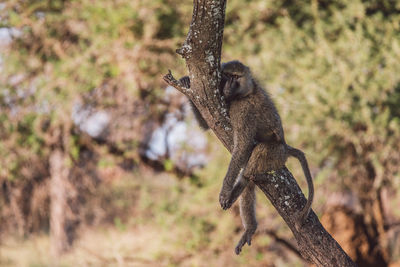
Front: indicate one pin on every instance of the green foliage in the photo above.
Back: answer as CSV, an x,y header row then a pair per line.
x,y
65,51
168,165
332,68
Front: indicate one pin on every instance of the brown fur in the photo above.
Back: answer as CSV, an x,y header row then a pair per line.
x,y
259,144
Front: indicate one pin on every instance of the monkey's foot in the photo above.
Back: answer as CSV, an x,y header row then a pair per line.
x,y
225,199
246,238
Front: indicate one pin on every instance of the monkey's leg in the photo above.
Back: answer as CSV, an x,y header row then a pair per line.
x,y
248,215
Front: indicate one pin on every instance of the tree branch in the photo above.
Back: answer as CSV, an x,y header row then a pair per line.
x,y
170,80
314,242
284,242
202,52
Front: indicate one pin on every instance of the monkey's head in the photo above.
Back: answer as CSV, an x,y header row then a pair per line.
x,y
236,81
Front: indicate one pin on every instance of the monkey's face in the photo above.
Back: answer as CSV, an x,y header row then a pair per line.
x,y
236,80
230,85
235,85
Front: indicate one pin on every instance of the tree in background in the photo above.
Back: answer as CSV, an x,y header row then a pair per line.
x,y
66,63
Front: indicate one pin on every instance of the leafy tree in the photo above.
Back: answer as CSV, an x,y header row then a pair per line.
x,y
331,66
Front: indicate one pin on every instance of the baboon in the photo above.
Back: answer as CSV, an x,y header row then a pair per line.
x,y
259,144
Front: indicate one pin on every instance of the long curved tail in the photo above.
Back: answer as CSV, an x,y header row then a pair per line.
x,y
294,152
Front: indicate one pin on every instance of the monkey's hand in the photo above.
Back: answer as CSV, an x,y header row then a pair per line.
x,y
185,81
225,197
228,197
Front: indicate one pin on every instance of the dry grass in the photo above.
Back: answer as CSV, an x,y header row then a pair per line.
x,y
158,220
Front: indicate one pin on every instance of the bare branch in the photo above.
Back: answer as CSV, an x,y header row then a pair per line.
x,y
170,80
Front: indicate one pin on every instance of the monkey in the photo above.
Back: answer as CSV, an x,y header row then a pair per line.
x,y
259,144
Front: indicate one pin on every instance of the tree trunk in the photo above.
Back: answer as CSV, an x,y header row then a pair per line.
x,y
59,172
202,52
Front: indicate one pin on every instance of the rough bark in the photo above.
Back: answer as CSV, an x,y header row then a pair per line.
x,y
202,52
314,242
60,234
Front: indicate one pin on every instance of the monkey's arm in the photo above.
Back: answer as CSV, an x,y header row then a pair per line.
x,y
238,187
185,81
243,146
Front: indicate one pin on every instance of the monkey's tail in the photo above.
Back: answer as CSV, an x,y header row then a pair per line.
x,y
294,152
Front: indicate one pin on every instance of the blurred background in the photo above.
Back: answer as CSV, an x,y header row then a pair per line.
x,y
102,165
